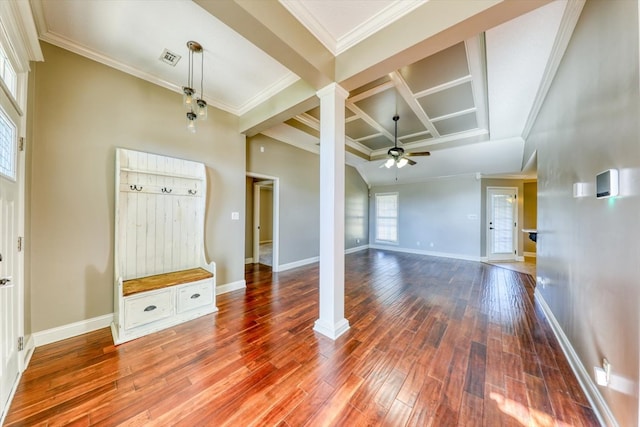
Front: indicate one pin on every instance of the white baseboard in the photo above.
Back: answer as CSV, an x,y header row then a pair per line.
x,y
484,259
520,258
71,330
356,249
248,260
296,264
600,407
230,287
530,254
429,253
29,348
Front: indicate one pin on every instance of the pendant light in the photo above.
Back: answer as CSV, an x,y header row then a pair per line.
x,y
195,105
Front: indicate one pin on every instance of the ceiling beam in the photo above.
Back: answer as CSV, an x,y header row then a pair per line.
x,y
271,27
294,100
428,29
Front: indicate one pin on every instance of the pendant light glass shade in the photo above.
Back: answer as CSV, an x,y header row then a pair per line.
x,y
191,121
389,163
402,162
201,109
187,98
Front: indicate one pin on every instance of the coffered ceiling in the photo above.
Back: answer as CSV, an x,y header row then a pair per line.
x,y
465,77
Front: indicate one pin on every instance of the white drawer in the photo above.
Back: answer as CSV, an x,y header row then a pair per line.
x,y
143,309
195,295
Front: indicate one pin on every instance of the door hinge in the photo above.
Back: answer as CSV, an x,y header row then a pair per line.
x,y
20,343
21,144
20,244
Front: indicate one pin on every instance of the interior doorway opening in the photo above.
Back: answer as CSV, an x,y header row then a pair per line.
x,y
261,227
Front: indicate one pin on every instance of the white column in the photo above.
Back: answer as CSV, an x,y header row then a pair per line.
x,y
332,322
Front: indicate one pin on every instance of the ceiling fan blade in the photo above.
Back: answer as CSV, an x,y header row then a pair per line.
x,y
418,154
411,162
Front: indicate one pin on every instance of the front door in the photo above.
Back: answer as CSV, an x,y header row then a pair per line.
x,y
502,214
9,261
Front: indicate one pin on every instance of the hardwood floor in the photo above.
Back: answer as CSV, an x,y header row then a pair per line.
x,y
433,341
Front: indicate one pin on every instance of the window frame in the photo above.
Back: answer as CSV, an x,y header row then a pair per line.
x,y
396,217
13,128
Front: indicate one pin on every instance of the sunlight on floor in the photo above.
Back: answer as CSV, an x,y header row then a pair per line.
x,y
524,415
527,267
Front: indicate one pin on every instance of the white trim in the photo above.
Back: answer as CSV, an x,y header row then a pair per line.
x,y
519,258
331,331
356,249
484,259
29,348
230,287
428,253
530,254
572,12
276,216
600,407
248,260
70,330
296,264
489,216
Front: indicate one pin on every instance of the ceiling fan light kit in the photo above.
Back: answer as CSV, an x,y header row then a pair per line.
x,y
196,106
396,155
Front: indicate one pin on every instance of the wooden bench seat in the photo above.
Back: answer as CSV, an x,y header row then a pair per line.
x,y
159,281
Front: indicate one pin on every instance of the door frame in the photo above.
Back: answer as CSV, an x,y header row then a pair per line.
x,y
516,213
275,217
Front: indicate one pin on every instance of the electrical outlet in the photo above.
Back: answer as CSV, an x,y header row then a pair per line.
x,y
418,243
430,244
357,240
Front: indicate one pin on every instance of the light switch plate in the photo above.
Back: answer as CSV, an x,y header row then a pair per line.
x,y
235,216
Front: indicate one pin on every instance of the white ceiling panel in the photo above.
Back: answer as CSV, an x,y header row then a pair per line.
x,y
131,35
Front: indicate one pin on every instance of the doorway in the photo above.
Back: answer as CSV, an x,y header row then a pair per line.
x,y
502,223
262,223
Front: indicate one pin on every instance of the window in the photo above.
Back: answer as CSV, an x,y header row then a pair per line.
x,y
7,147
8,74
387,218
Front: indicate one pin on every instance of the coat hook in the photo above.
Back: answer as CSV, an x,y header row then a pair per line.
x,y
166,190
135,187
193,192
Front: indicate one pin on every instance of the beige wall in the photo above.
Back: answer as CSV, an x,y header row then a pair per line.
x,y
82,111
588,249
266,214
530,204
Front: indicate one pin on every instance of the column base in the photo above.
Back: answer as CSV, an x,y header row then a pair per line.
x,y
329,330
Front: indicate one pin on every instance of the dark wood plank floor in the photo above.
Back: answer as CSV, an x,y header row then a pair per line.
x,y
433,342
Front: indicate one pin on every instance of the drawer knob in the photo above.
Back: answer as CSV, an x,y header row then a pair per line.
x,y
194,296
150,308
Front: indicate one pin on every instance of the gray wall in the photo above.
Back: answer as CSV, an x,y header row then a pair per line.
x,y
299,175
588,249
81,111
442,214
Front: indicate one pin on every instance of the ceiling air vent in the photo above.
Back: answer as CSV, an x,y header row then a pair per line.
x,y
170,57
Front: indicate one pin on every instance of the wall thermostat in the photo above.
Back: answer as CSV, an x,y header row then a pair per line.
x,y
607,184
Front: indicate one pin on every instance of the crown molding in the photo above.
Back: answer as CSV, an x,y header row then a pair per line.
x,y
568,23
359,33
20,29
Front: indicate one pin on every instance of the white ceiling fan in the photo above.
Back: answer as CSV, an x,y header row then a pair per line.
x,y
396,155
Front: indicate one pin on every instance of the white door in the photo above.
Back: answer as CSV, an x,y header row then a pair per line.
x,y
9,262
502,215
